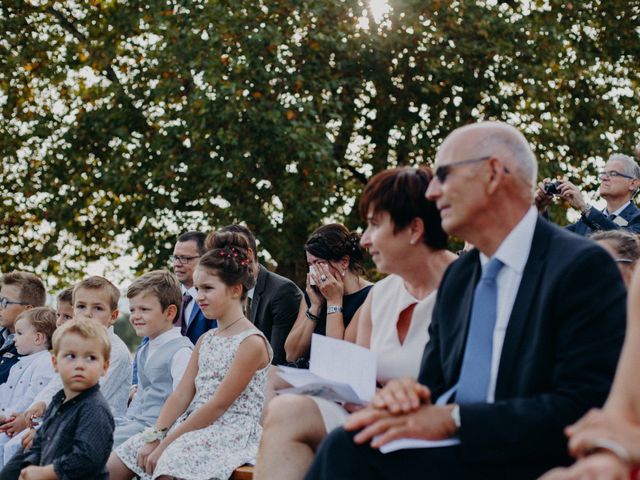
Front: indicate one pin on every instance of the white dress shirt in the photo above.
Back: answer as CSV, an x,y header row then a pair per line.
x,y
189,307
27,378
180,358
513,252
618,211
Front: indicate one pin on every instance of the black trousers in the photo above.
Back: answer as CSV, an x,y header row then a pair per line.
x,y
339,458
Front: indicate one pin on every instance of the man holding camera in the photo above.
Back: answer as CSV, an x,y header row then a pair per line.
x,y
619,182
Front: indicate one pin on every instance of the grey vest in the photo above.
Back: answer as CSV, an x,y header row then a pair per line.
x,y
154,381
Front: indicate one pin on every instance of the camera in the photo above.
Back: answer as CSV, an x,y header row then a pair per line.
x,y
551,188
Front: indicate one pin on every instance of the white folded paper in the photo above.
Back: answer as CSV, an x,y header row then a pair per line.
x,y
339,371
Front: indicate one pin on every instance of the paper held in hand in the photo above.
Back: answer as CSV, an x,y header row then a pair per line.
x,y
339,371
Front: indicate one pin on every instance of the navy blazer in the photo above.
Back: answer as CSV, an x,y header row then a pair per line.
x,y
559,355
274,309
199,324
596,220
8,358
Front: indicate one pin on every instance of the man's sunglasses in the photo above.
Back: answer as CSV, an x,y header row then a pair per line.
x,y
443,171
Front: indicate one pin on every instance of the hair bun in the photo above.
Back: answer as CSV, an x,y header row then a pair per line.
x,y
354,241
235,254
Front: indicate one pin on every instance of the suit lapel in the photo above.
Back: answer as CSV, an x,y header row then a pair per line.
x,y
456,337
520,314
194,311
630,211
261,282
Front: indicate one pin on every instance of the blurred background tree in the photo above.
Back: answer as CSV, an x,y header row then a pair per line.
x,y
126,122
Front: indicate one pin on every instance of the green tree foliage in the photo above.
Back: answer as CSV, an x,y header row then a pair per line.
x,y
126,122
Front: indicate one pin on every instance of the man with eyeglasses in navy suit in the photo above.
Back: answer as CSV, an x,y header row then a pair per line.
x,y
619,182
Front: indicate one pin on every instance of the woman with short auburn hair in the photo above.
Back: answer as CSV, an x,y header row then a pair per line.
x,y
406,241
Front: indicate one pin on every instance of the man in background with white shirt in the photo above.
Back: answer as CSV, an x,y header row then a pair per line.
x,y
525,335
619,182
188,249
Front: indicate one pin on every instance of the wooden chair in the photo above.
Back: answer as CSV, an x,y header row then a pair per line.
x,y
243,473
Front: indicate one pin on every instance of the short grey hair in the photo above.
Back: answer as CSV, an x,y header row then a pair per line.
x,y
631,167
525,165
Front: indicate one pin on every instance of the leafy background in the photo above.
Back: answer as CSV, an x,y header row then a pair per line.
x,y
123,123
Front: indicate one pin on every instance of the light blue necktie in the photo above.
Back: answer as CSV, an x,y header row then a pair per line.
x,y
475,373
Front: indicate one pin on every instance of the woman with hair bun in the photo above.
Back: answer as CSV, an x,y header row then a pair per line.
x,y
210,424
406,241
335,290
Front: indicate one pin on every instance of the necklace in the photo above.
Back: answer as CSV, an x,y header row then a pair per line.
x,y
229,326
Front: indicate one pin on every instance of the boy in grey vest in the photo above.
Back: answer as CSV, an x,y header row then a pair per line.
x,y
154,302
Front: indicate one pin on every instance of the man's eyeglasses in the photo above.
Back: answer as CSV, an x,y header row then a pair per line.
x,y
443,171
182,259
5,302
613,174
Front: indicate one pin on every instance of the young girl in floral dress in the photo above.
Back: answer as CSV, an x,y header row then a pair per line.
x,y
210,425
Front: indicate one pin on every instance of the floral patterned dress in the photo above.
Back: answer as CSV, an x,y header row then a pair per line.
x,y
213,452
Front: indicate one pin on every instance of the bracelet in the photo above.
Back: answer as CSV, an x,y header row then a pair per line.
x,y
333,309
311,316
151,434
607,445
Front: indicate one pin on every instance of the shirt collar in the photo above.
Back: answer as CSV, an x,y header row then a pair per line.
x,y
191,291
618,211
250,293
26,359
514,249
165,337
59,397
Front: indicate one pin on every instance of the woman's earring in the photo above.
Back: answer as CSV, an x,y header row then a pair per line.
x,y
343,272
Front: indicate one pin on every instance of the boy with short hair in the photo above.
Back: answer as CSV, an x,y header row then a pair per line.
x,y
97,298
154,302
34,370
64,306
19,291
15,428
77,432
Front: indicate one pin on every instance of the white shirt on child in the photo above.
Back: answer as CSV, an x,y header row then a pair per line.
x,y
180,359
114,385
28,377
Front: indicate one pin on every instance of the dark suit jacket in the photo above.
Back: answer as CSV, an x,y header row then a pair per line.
x,y
199,324
8,358
559,355
596,220
274,308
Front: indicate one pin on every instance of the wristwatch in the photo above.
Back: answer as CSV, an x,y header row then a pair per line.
x,y
585,211
151,434
333,309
